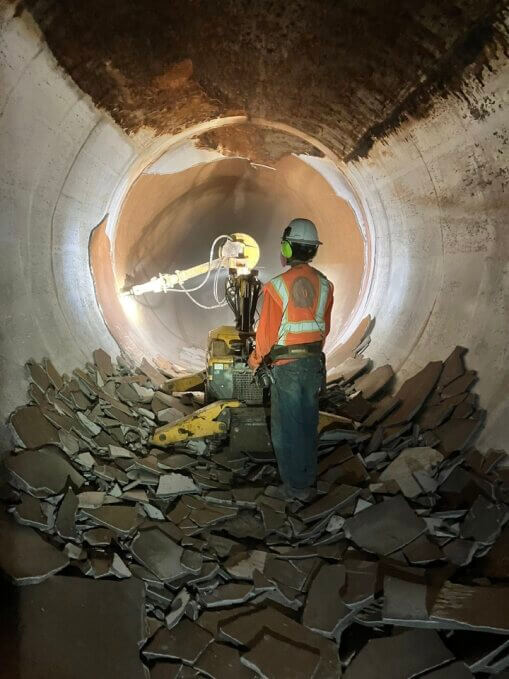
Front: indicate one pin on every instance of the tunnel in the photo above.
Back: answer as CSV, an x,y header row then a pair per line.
x,y
169,219
124,155
133,137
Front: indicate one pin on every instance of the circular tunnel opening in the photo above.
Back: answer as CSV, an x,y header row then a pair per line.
x,y
180,203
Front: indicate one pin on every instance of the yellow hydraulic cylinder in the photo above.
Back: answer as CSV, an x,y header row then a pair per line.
x,y
184,383
201,423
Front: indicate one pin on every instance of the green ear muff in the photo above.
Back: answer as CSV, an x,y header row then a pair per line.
x,y
286,249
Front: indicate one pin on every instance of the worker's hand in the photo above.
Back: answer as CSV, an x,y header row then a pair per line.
x,y
252,362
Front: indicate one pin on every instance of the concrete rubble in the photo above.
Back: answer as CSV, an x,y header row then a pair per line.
x,y
400,560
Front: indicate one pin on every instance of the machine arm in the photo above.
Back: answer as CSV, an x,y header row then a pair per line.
x,y
239,253
167,281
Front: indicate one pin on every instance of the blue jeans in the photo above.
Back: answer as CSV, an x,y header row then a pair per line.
x,y
294,419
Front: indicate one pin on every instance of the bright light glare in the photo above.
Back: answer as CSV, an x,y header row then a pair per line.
x,y
130,307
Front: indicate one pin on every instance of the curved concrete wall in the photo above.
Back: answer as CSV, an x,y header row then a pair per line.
x,y
435,194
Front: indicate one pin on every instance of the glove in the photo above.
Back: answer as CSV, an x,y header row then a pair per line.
x,y
264,377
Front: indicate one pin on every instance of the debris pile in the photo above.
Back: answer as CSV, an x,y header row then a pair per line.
x,y
400,560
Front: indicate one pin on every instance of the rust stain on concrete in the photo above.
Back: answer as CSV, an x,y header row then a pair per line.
x,y
347,72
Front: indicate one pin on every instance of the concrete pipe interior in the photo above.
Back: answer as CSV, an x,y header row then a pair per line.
x,y
414,115
168,221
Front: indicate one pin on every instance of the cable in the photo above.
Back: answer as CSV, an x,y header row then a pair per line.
x,y
202,306
220,303
211,257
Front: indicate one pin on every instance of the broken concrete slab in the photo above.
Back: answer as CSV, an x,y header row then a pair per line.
x,y
212,515
238,481
385,527
459,385
244,525
402,656
325,609
66,517
382,409
459,489
286,573
350,368
492,659
25,557
219,661
212,620
454,367
422,551
273,521
361,581
484,521
245,629
357,408
159,554
103,362
42,472
171,485
122,519
166,670
460,552
456,670
91,499
98,537
352,473
413,393
433,416
159,594
406,601
29,512
327,504
85,460
408,462
168,415
69,443
178,608
231,594
191,561
38,375
90,426
242,565
75,552
138,495
495,564
371,383
152,373
276,658
53,374
110,473
32,428
177,461
339,455
61,634
456,435
120,452
186,641
480,608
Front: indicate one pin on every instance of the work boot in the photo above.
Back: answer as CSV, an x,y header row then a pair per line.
x,y
302,494
278,492
287,493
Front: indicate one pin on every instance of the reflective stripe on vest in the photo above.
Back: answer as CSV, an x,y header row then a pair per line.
x,y
301,327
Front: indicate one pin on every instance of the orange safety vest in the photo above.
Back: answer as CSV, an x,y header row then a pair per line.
x,y
303,292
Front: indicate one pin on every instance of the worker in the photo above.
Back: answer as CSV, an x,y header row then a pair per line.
x,y
294,322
